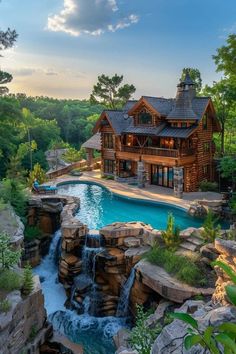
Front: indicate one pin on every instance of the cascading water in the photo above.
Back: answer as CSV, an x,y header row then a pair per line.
x,y
53,291
123,304
93,333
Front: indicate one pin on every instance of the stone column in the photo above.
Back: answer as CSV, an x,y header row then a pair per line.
x,y
141,174
89,158
178,181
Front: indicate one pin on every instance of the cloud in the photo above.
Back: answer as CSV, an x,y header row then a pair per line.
x,y
22,71
51,73
92,17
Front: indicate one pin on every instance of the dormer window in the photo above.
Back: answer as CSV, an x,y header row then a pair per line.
x,y
144,117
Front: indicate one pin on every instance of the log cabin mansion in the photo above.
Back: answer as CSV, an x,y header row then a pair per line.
x,y
165,142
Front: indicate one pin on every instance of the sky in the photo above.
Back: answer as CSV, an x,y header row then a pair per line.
x,y
63,45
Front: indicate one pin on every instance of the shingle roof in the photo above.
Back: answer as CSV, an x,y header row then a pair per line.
x,y
183,106
119,120
199,105
177,132
142,130
160,104
94,142
129,104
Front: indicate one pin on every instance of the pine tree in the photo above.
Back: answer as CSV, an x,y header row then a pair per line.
x,y
28,281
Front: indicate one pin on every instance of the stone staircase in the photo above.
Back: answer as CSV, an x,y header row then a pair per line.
x,y
192,241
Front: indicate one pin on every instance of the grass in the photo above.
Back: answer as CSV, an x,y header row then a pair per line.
x,y
181,267
5,306
10,280
31,233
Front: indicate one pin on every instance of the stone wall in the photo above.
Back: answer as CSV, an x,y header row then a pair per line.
x,y
24,328
227,251
45,212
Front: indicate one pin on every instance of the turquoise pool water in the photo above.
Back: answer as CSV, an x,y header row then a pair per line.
x,y
99,207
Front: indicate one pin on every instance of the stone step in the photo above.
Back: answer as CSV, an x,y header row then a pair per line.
x,y
195,240
188,246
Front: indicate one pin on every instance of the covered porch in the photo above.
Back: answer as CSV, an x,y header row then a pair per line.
x,y
91,146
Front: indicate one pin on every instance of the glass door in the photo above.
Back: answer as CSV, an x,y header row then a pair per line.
x,y
162,176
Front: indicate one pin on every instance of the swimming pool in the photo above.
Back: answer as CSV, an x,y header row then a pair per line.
x,y
100,207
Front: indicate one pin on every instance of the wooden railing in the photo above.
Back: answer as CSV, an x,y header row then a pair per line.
x,y
150,151
157,151
67,169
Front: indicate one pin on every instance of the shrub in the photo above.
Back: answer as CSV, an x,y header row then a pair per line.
x,y
10,280
206,186
5,306
73,155
37,173
143,337
28,280
171,236
11,191
8,257
210,231
32,232
179,266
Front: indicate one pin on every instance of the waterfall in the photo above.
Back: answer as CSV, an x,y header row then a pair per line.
x,y
87,278
123,304
53,291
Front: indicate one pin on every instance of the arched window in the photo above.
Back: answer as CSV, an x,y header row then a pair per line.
x,y
144,117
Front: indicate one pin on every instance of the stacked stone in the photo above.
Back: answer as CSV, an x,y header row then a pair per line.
x,y
73,237
70,267
227,251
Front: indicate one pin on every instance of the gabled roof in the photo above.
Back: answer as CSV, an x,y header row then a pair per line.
x,y
199,105
129,104
160,104
94,142
171,132
118,119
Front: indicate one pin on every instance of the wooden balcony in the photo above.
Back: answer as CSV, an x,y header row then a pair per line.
x,y
157,151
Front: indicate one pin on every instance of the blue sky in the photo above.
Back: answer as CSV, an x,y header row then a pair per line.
x,y
64,45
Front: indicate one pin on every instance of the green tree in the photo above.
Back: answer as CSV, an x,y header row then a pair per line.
x,y
195,76
210,230
8,257
228,169
225,58
28,280
5,78
13,192
37,173
110,93
7,38
171,235
223,95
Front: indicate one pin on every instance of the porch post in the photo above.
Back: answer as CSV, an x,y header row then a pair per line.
x,y
178,181
141,174
89,158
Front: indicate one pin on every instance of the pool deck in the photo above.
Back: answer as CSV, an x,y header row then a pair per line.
x,y
150,192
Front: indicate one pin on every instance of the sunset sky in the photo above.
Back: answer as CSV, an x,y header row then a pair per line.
x,y
63,45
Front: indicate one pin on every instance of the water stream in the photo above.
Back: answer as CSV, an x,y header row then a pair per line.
x,y
123,304
93,333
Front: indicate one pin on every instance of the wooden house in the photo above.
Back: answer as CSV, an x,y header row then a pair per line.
x,y
169,142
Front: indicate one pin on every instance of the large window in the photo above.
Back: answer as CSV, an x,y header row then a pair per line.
x,y
108,141
144,117
109,166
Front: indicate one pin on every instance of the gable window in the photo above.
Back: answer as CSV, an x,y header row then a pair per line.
x,y
144,117
204,121
108,141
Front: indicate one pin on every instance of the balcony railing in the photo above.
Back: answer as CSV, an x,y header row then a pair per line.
x,y
157,151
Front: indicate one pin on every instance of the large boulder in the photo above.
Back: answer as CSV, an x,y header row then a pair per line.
x,y
167,286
